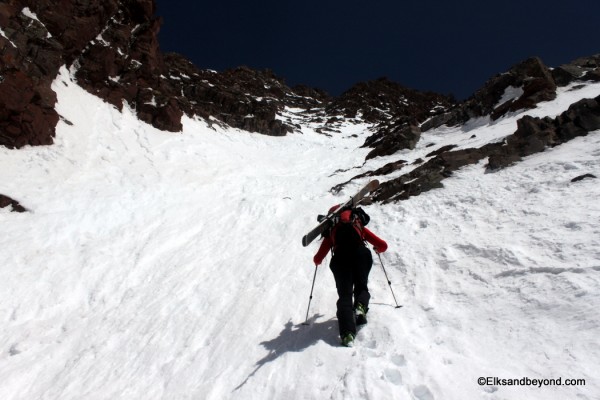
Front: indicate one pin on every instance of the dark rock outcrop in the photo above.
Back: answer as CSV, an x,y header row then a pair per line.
x,y
536,134
536,83
240,97
6,201
581,69
582,177
391,138
104,41
29,61
428,175
522,87
530,81
533,135
384,100
396,110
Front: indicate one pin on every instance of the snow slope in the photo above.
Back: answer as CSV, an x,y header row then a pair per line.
x,y
156,265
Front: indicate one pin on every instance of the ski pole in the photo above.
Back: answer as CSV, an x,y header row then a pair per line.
x,y
388,281
311,295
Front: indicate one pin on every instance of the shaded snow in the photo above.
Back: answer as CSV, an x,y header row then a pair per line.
x,y
510,93
156,265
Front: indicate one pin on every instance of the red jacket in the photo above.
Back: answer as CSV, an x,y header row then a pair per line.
x,y
379,244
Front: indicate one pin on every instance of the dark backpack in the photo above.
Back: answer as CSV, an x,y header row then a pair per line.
x,y
348,235
362,215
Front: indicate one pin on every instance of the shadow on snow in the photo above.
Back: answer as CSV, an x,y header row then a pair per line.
x,y
296,338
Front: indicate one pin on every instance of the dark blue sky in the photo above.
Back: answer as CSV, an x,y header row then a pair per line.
x,y
443,46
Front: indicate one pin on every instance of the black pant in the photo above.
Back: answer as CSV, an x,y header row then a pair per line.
x,y
351,272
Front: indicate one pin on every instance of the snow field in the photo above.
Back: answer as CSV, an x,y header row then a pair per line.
x,y
159,265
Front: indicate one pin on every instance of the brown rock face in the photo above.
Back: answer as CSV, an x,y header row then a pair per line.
x,y
531,77
395,109
390,139
6,201
582,69
382,100
533,135
121,62
39,37
241,97
29,61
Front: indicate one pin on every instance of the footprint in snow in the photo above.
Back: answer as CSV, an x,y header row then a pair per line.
x,y
398,360
13,351
421,392
393,375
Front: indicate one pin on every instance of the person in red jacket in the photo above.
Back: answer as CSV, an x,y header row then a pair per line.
x,y
350,264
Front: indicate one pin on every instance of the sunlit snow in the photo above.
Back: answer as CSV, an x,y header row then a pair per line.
x,y
158,265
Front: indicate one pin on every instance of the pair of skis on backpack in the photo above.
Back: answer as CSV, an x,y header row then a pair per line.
x,y
327,221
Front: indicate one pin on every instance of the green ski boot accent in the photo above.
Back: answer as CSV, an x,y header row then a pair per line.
x,y
348,340
361,314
